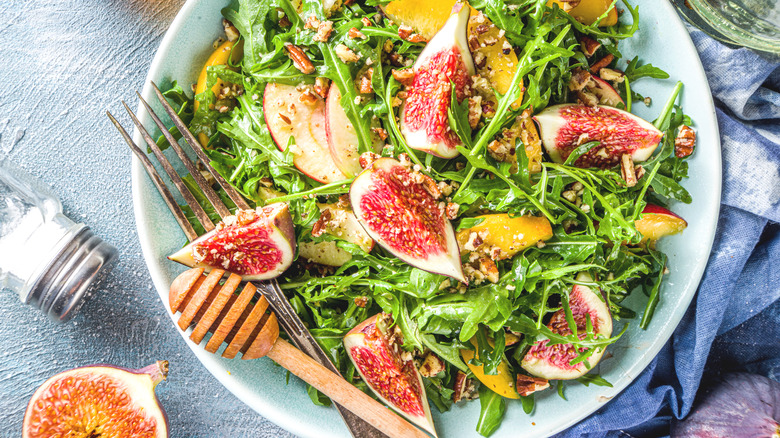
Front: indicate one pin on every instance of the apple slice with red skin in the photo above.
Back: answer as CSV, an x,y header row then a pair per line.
x,y
375,349
564,127
657,222
404,218
444,61
343,141
288,114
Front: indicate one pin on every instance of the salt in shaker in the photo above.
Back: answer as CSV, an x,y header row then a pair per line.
x,y
52,262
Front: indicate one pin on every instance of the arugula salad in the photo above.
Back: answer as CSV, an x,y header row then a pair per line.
x,y
472,197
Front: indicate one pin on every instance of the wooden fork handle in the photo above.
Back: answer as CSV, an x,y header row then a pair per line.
x,y
341,392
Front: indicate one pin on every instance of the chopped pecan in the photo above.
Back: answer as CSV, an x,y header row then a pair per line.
x,y
601,63
474,241
464,388
431,365
473,42
323,31
380,132
487,109
430,186
321,86
365,82
361,301
321,225
627,170
482,28
405,31
526,385
589,45
475,111
685,141
311,23
480,60
366,158
611,75
308,96
452,210
488,267
354,33
299,58
405,76
230,31
499,150
366,22
587,98
506,48
579,79
346,54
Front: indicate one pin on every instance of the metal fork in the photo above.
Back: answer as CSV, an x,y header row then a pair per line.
x,y
288,319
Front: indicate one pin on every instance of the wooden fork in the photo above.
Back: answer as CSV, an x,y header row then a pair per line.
x,y
377,421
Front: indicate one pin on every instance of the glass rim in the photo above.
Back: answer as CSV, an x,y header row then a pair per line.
x,y
729,30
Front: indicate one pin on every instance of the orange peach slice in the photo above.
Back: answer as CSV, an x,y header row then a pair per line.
x,y
219,57
509,234
588,11
657,222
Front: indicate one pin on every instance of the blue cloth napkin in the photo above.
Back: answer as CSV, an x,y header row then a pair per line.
x,y
743,269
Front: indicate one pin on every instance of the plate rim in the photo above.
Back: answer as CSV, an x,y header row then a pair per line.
x,y
282,417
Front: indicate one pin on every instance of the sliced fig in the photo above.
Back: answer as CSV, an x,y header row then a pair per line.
x,y
98,400
444,61
564,127
405,218
554,361
375,349
343,141
291,113
256,244
606,93
342,223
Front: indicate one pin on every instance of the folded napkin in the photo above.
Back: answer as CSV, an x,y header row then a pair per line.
x,y
743,267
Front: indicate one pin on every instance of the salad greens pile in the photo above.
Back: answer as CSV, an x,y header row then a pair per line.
x,y
601,239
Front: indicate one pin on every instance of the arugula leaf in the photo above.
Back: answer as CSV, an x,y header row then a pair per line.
x,y
492,410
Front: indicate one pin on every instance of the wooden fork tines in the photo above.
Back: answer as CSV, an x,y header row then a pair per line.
x,y
233,319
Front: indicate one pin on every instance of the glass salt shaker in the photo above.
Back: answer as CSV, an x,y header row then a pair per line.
x,y
52,262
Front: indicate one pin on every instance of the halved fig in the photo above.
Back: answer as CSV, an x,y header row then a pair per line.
x,y
292,113
256,244
564,127
444,61
374,346
342,223
343,142
98,400
405,218
606,93
657,222
554,361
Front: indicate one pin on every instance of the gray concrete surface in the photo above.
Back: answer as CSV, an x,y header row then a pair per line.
x,y
63,63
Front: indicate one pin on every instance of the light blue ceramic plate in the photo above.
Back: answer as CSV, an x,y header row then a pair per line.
x,y
662,40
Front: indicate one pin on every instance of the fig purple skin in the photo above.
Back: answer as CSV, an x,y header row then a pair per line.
x,y
99,400
743,405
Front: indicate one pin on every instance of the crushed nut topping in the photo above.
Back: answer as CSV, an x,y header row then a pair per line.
x,y
611,75
230,31
366,158
474,241
684,142
380,132
354,33
366,22
464,388
311,23
321,86
587,98
452,210
323,31
346,54
321,225
475,111
489,269
579,79
589,45
627,170
526,385
431,365
405,76
361,302
365,82
601,63
299,58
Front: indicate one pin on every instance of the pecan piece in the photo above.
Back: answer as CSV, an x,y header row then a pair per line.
x,y
464,388
299,58
405,76
601,63
627,170
431,365
321,86
321,225
589,45
354,33
685,141
579,79
526,385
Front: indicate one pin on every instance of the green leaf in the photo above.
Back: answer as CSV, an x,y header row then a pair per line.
x,y
492,410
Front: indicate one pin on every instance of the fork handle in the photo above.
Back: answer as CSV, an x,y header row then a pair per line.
x,y
341,392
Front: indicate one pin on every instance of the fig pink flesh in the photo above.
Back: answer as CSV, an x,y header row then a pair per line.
x,y
554,361
445,60
404,218
563,127
396,381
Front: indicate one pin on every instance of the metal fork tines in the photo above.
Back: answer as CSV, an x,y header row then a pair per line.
x,y
288,319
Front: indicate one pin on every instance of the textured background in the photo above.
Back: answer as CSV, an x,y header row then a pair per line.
x,y
64,62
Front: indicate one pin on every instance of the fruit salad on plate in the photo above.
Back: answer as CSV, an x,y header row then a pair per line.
x,y
455,197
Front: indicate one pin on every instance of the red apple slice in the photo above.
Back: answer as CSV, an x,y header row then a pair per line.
x,y
344,225
343,140
288,116
657,222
